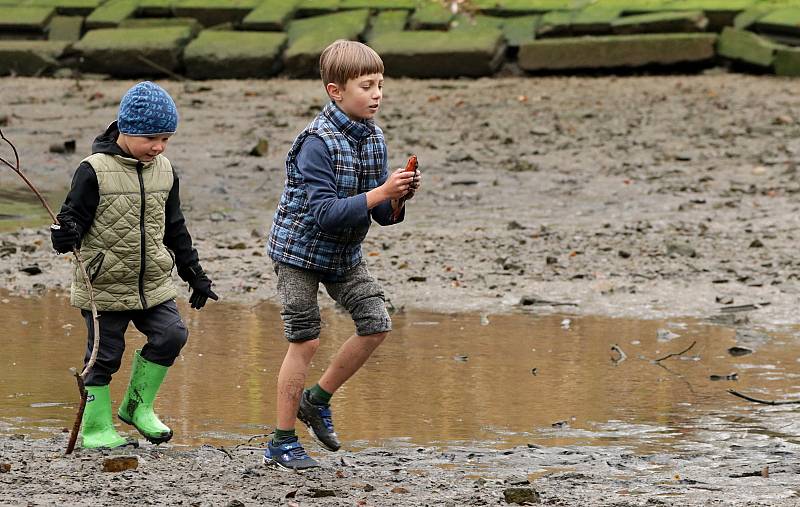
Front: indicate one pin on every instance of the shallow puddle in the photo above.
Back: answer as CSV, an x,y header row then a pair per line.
x,y
438,380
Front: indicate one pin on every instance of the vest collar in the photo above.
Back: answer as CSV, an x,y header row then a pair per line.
x,y
356,130
132,163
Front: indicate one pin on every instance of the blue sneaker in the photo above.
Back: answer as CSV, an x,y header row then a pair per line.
x,y
319,420
288,455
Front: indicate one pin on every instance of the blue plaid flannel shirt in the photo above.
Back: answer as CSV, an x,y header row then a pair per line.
x,y
358,152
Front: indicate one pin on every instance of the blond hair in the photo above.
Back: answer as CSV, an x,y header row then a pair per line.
x,y
344,60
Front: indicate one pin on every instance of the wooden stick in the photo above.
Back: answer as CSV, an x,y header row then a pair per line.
x,y
765,402
95,324
687,349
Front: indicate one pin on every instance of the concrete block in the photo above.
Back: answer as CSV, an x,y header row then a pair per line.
x,y
615,51
214,12
720,13
747,47
387,21
125,52
220,54
522,7
156,8
65,28
379,5
25,19
519,29
787,62
67,7
317,7
589,21
29,58
111,14
191,23
746,18
782,21
309,36
661,22
431,16
271,15
440,54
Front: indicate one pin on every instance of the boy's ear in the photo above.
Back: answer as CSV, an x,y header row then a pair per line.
x,y
334,91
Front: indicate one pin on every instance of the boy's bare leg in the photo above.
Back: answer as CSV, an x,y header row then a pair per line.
x,y
292,380
351,356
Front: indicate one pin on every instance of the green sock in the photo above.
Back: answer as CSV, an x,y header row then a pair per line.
x,y
281,435
319,396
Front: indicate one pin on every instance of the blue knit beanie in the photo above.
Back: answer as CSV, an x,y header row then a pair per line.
x,y
147,110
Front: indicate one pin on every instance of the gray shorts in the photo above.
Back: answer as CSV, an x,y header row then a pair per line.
x,y
356,290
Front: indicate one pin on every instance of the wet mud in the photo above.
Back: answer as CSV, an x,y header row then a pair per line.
x,y
668,198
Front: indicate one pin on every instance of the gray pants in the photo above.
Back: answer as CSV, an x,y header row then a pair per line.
x,y
356,290
166,335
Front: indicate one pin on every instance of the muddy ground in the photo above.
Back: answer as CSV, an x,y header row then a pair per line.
x,y
645,197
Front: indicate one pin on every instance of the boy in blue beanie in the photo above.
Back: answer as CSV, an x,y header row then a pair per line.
x,y
337,182
123,212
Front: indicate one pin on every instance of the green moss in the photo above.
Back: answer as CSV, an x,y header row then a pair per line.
x,y
214,12
112,13
345,25
379,5
787,62
747,47
432,41
520,29
68,7
25,18
191,23
431,16
785,20
388,21
28,58
156,8
520,7
134,38
479,22
271,15
65,28
661,22
234,54
317,7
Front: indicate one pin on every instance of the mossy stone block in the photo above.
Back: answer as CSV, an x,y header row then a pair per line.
x,y
270,15
30,58
745,19
25,19
310,36
478,22
431,16
787,62
388,21
519,29
661,22
111,14
782,21
509,8
379,5
745,46
220,54
156,8
67,7
65,28
631,7
125,52
317,7
615,51
590,21
214,12
441,54
191,23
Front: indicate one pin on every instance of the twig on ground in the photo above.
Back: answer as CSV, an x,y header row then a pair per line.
x,y
765,402
687,349
160,68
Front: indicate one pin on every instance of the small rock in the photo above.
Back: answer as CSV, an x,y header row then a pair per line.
x,y
665,335
399,489
725,300
5,468
65,147
417,278
238,246
683,249
756,243
514,225
550,260
120,463
624,254
521,496
321,493
739,351
260,149
235,503
32,270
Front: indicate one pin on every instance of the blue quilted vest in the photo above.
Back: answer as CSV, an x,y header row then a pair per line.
x,y
358,153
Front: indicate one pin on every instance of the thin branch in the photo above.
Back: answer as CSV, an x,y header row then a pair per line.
x,y
160,68
765,402
687,349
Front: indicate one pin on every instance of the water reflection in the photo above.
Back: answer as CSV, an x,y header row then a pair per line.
x,y
438,379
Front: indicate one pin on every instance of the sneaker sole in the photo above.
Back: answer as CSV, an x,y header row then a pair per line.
x,y
271,463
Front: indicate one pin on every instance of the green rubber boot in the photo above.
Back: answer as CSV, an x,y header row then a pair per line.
x,y
137,406
97,428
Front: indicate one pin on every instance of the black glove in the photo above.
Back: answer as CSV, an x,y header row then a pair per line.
x,y
64,236
201,286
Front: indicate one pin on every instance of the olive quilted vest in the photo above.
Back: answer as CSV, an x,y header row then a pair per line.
x,y
123,251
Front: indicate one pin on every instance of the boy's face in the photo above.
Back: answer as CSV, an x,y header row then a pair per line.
x,y
144,148
360,98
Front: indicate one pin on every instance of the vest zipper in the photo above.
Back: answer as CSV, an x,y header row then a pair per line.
x,y
142,249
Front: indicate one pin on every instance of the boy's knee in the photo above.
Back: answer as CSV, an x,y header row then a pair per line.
x,y
371,317
302,325
167,346
376,338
